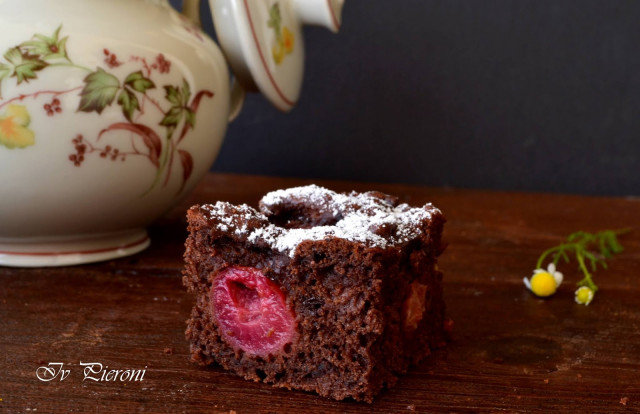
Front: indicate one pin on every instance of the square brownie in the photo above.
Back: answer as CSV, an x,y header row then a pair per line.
x,y
318,291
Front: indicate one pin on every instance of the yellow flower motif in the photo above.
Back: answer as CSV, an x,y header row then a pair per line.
x,y
283,45
288,40
278,52
584,295
13,128
544,283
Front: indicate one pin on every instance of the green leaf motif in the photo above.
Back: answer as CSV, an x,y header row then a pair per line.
x,y
172,118
173,95
129,103
47,47
138,82
5,71
99,91
186,92
24,65
275,21
179,98
190,118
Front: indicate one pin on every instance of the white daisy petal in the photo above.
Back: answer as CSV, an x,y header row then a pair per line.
x,y
526,283
551,268
558,277
535,272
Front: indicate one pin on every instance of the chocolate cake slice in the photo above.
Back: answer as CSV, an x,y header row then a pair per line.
x,y
318,291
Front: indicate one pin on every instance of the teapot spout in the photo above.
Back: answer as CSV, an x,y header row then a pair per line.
x,y
263,42
327,13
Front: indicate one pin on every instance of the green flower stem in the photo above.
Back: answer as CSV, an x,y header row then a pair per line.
x,y
164,157
586,281
560,253
71,65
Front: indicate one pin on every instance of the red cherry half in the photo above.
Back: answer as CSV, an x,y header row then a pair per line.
x,y
251,311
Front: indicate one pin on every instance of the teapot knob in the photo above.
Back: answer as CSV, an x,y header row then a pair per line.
x,y
327,13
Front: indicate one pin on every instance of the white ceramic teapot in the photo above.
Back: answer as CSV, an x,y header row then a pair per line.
x,y
111,111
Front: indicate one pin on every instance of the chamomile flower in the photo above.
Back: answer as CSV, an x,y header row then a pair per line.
x,y
590,250
544,283
584,295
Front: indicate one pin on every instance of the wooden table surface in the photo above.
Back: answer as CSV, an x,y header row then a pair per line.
x,y
510,351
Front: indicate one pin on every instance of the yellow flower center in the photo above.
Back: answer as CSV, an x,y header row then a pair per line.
x,y
583,295
543,284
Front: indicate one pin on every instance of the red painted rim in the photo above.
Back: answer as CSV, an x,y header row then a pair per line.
x,y
336,23
136,243
264,61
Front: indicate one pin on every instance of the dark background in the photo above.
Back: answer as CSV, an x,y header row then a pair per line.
x,y
539,95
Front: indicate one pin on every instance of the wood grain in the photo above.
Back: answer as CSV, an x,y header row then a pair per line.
x,y
510,351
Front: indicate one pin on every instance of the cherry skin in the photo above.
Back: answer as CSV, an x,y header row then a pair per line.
x,y
251,311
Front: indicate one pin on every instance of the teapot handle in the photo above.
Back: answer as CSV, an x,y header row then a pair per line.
x,y
191,10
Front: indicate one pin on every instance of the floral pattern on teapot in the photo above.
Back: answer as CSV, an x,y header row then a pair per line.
x,y
284,38
101,89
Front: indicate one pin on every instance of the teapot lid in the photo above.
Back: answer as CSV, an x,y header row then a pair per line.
x,y
263,42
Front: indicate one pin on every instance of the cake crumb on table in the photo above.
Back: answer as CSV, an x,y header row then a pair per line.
x,y
624,400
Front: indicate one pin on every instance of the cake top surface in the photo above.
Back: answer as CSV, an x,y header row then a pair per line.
x,y
289,217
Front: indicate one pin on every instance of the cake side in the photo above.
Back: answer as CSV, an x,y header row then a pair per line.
x,y
329,305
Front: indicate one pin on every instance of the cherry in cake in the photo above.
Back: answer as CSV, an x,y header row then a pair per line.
x,y
251,311
316,290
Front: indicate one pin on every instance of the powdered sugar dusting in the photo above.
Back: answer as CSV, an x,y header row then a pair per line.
x,y
368,218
